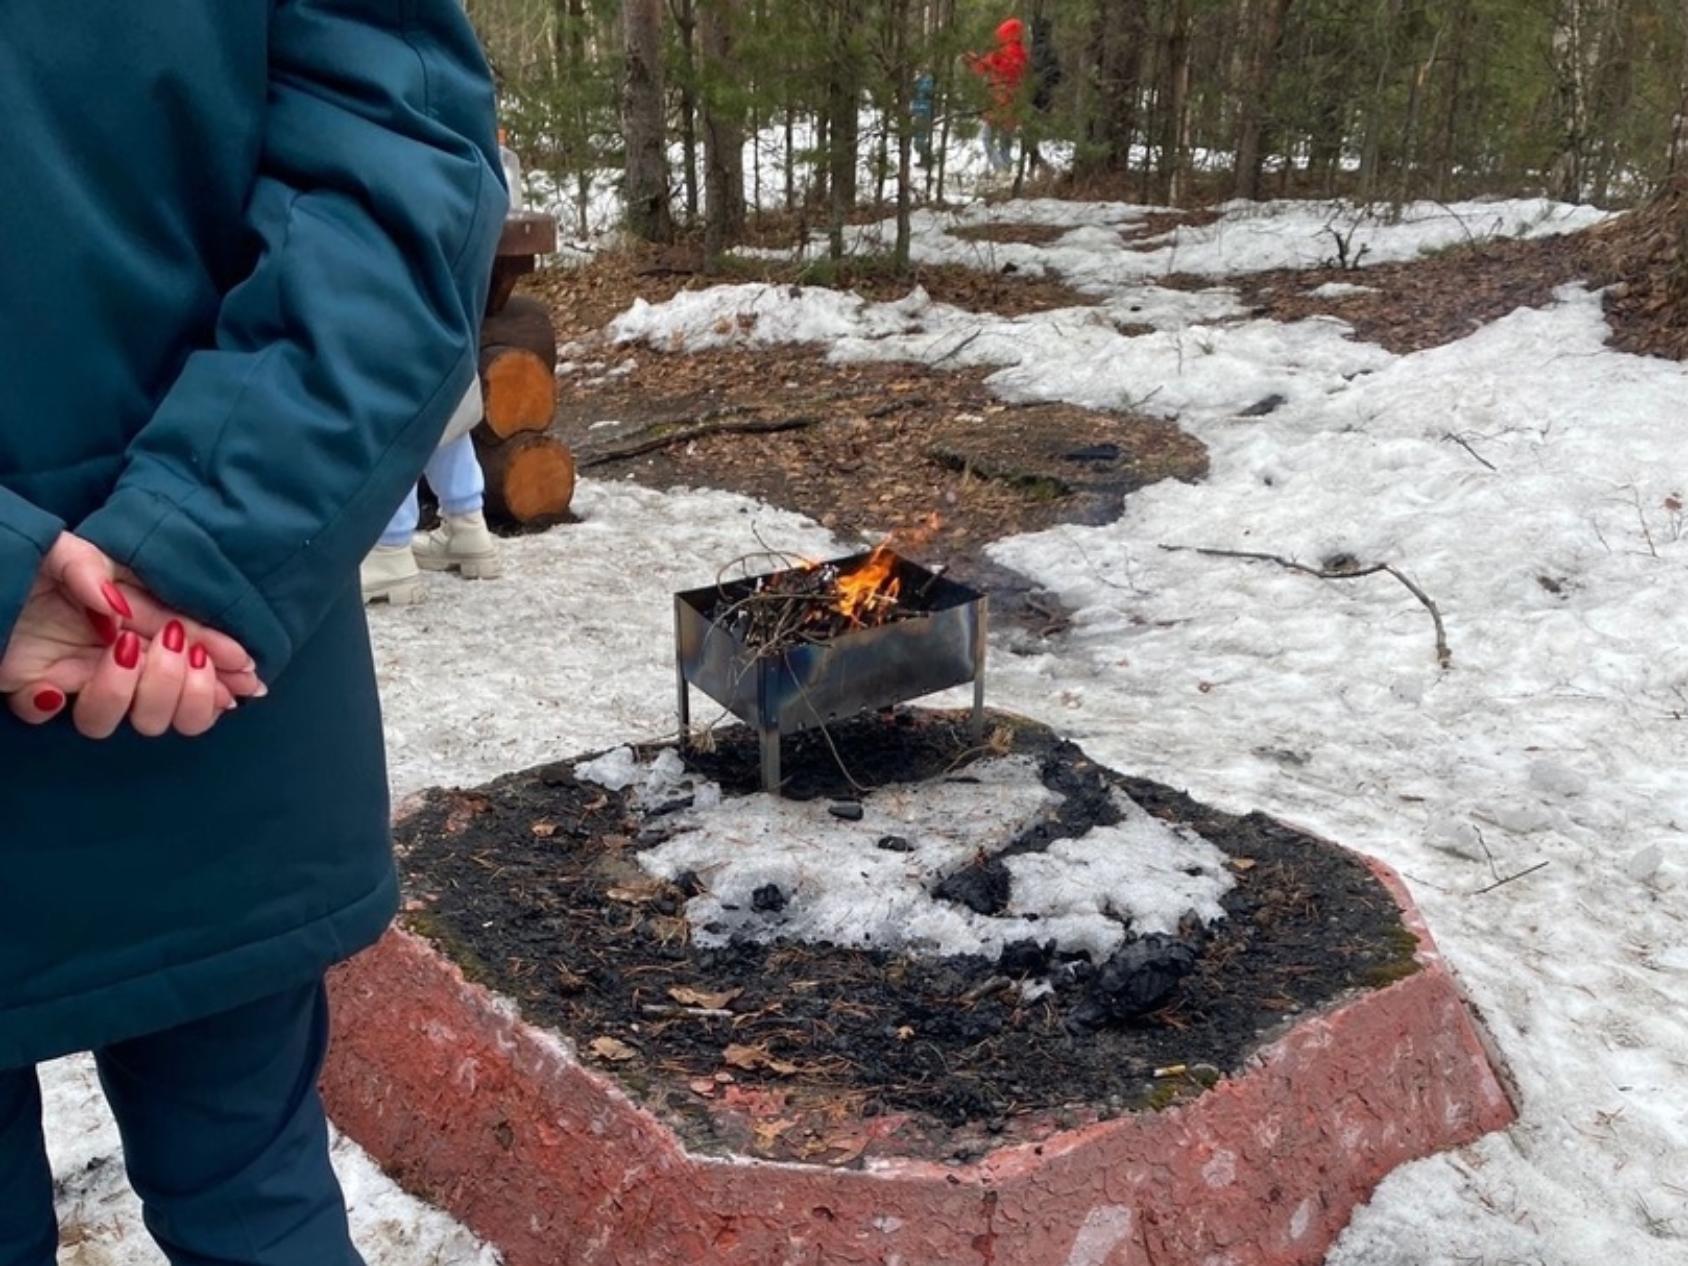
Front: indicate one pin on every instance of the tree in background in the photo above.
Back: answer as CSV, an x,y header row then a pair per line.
x,y
724,105
643,124
1381,100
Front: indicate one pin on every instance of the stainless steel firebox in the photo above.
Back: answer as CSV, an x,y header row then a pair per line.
x,y
938,643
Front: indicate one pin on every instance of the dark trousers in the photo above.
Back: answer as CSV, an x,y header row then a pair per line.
x,y
224,1140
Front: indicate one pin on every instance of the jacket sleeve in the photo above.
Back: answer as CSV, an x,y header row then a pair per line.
x,y
27,532
274,460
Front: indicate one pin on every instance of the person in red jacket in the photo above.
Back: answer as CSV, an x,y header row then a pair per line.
x,y
1004,71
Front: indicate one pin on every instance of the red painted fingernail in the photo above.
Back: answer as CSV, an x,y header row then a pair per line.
x,y
128,652
49,700
175,637
197,657
116,601
105,628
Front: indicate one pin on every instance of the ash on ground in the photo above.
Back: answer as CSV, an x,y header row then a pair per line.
x,y
987,936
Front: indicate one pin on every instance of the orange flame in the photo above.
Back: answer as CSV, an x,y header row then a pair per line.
x,y
868,593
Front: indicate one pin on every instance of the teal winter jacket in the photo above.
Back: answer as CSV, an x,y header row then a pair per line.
x,y
244,247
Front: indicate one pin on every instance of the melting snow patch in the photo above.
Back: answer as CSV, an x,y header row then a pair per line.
x,y
1340,290
656,785
840,886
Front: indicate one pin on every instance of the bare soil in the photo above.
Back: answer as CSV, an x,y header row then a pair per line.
x,y
1423,303
1006,232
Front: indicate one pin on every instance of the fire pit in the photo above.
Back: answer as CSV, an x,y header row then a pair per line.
x,y
790,650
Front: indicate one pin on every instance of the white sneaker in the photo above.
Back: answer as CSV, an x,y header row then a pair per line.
x,y
389,574
462,544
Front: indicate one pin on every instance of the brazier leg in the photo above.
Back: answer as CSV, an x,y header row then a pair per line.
x,y
683,698
771,760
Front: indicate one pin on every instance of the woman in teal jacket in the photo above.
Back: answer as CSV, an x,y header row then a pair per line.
x,y
244,246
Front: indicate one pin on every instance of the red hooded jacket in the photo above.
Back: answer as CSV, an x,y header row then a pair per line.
x,y
1004,68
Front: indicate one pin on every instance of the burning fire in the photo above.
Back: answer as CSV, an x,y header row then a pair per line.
x,y
867,594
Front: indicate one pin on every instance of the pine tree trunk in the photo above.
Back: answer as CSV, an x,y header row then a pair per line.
x,y
1121,32
882,159
582,120
843,95
1149,72
822,184
790,156
943,97
723,129
1415,111
1447,149
1676,160
903,60
642,123
1565,176
686,20
1371,146
1175,135
1256,101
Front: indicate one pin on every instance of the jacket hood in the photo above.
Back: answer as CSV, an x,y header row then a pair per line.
x,y
1012,31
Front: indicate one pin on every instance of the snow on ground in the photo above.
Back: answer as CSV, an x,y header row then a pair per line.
x,y
1248,237
838,885
1556,736
1079,355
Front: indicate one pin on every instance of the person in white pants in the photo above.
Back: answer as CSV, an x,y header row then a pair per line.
x,y
392,572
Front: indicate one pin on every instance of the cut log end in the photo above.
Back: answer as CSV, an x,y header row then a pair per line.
x,y
520,391
529,479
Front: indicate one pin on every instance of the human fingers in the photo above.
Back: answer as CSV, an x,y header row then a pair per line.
x,y
150,616
110,692
158,693
36,704
198,709
84,572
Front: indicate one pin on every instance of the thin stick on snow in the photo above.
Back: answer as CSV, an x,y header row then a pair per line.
x,y
960,347
1463,443
1493,869
1528,870
1444,656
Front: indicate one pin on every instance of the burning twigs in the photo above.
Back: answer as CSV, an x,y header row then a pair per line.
x,y
814,603
1444,656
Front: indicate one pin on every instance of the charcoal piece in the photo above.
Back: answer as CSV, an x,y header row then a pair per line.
x,y
894,844
1071,972
1026,958
982,888
688,883
1269,404
849,810
1095,453
768,899
1139,978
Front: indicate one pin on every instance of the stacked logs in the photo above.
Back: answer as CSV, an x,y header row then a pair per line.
x,y
529,473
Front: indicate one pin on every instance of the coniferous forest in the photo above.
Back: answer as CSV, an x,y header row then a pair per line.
x,y
1381,101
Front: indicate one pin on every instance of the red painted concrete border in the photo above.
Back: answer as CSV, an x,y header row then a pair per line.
x,y
549,1160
